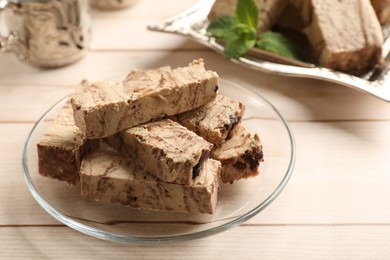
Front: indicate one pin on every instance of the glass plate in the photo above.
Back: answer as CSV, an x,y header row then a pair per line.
x,y
237,202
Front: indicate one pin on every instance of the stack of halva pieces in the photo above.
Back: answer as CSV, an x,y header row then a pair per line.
x,y
161,139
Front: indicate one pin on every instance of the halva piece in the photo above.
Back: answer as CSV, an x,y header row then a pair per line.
x,y
215,120
346,35
62,147
107,176
167,149
102,109
240,155
382,9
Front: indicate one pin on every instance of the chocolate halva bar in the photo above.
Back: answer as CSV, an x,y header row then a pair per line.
x,y
109,177
215,120
346,35
61,148
240,155
167,149
382,10
102,109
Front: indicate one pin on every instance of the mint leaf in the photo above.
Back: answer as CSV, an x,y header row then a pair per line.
x,y
247,13
237,32
243,41
223,27
278,44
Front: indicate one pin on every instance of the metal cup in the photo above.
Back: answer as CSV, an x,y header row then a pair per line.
x,y
46,33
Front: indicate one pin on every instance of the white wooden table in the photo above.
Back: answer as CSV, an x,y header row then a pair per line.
x,y
336,205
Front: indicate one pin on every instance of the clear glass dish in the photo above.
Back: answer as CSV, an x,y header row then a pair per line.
x,y
237,202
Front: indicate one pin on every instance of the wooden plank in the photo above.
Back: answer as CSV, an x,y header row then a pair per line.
x,y
95,66
144,9
17,204
125,34
28,103
297,99
12,138
341,176
264,242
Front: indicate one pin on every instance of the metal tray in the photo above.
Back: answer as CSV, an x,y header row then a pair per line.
x,y
193,22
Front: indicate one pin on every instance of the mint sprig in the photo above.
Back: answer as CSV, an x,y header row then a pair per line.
x,y
239,33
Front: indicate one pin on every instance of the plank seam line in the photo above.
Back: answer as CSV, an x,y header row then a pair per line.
x,y
31,225
316,225
319,120
200,49
18,122
242,225
337,120
290,121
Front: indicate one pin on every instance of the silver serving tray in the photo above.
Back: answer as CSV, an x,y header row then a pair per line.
x,y
193,22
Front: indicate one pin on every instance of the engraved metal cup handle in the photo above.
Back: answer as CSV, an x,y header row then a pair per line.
x,y
6,40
